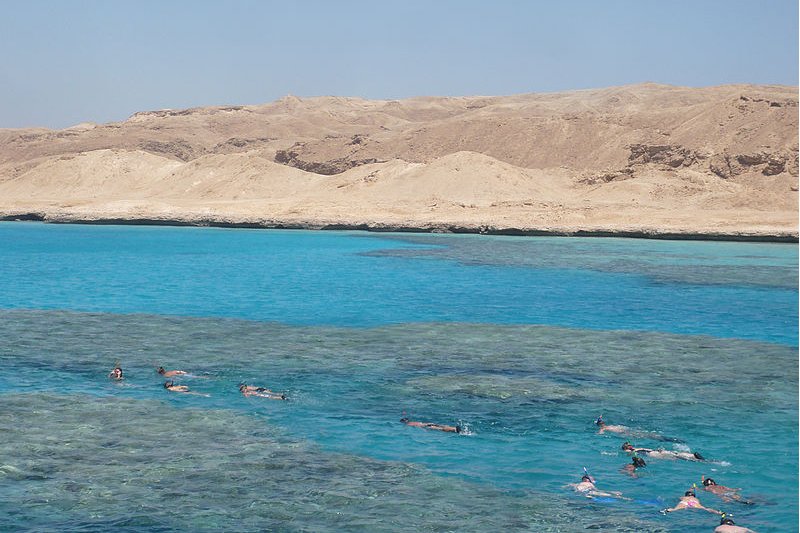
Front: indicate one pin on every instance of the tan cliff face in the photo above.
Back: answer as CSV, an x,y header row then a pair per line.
x,y
635,158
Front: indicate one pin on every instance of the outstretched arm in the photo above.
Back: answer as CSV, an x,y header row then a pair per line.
x,y
707,509
604,494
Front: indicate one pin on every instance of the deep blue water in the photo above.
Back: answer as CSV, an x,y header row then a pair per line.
x,y
524,341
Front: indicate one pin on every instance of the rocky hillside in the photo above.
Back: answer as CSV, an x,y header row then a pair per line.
x,y
609,158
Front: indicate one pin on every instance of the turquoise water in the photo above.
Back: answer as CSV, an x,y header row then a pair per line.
x,y
523,341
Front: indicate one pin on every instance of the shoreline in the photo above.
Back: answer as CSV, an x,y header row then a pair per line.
x,y
643,161
644,233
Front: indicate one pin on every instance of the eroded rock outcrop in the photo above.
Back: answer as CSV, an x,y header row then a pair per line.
x,y
728,166
179,149
238,144
772,103
608,176
665,154
330,167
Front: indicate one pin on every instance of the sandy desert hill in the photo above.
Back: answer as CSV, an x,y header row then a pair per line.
x,y
650,159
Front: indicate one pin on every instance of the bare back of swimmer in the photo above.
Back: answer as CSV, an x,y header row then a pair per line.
x,y
431,425
170,373
727,494
727,525
663,454
260,392
625,430
590,490
689,501
172,387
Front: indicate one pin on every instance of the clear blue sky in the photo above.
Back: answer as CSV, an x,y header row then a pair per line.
x,y
64,62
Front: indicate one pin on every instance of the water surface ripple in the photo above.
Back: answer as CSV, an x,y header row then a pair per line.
x,y
82,450
523,342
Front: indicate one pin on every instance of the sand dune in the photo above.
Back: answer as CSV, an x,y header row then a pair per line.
x,y
649,158
462,178
89,176
235,177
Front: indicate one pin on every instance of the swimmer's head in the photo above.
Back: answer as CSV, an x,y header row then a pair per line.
x,y
404,420
459,429
587,477
689,492
726,520
599,421
627,446
708,482
638,462
242,387
698,456
169,383
160,370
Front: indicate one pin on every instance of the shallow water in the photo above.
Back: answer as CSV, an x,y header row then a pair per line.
x,y
83,454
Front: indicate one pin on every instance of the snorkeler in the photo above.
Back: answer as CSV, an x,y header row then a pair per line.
x,y
689,501
663,454
588,488
600,423
625,430
727,525
727,494
170,373
170,386
630,468
116,374
261,392
431,425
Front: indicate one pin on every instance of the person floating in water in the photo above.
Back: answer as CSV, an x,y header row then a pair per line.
x,y
663,454
261,392
727,494
727,525
590,490
170,386
116,374
625,430
170,373
603,427
431,425
689,501
630,468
